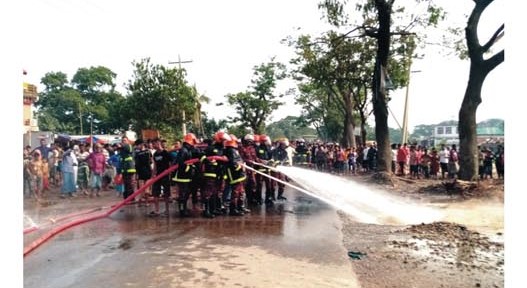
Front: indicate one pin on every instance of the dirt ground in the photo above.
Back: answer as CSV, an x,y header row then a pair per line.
x,y
438,254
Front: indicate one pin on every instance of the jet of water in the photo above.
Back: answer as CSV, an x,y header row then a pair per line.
x,y
29,221
365,204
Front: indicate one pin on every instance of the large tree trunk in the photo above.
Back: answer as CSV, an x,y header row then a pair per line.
x,y
380,105
479,69
349,125
468,150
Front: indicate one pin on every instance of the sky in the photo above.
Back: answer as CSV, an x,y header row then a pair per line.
x,y
225,40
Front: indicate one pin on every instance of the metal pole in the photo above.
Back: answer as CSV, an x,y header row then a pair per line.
x,y
91,133
404,133
80,116
184,126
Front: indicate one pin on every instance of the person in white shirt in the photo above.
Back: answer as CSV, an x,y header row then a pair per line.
x,y
69,162
365,162
394,158
290,152
443,160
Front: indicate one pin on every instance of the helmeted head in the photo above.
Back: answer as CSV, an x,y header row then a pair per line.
x,y
265,139
249,138
190,139
233,142
284,142
221,136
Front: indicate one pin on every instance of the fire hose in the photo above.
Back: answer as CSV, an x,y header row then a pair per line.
x,y
55,220
284,182
114,208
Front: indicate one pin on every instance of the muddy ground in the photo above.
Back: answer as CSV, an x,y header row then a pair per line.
x,y
438,254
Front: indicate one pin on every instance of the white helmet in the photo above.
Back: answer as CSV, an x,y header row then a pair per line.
x,y
249,137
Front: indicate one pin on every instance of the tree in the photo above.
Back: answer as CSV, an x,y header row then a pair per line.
x,y
97,88
335,66
257,104
58,105
158,96
479,69
320,112
377,24
290,127
211,126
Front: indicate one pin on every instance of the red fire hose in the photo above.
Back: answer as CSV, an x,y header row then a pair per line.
x,y
141,189
34,228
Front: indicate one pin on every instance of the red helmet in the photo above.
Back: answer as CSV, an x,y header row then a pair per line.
x,y
249,137
231,143
190,138
221,136
265,139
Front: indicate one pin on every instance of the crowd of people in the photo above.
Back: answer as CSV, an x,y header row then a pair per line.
x,y
223,175
413,161
219,176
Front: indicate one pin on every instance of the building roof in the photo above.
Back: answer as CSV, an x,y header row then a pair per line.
x,y
491,131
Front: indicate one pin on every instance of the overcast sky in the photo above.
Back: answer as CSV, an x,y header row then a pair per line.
x,y
225,40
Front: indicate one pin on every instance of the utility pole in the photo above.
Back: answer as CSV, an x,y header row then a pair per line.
x,y
405,115
183,112
80,116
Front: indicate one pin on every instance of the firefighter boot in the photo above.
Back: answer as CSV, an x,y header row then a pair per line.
x,y
280,194
269,197
242,208
183,211
217,206
207,212
233,211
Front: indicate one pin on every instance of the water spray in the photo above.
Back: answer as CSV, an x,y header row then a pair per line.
x,y
363,203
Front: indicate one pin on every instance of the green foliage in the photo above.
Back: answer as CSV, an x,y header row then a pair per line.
x,y
158,96
291,127
60,106
96,86
254,106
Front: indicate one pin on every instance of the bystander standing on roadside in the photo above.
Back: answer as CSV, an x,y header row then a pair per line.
x,y
27,184
83,172
487,164
97,163
443,160
481,158
500,162
393,148
426,161
69,161
453,166
35,168
434,163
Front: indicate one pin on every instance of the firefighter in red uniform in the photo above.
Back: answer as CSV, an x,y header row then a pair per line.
x,y
248,154
280,156
235,177
212,175
263,151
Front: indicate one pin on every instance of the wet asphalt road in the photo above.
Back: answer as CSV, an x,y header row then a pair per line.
x,y
296,243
